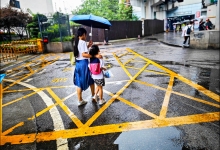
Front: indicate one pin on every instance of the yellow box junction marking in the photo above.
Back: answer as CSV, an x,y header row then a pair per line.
x,y
59,80
67,69
86,130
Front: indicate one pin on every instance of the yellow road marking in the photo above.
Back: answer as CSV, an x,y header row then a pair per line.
x,y
119,56
129,60
180,94
48,108
178,76
23,97
157,72
12,128
59,80
133,105
113,128
30,74
126,71
165,104
65,109
102,109
29,68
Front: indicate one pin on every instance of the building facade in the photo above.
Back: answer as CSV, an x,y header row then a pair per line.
x,y
36,6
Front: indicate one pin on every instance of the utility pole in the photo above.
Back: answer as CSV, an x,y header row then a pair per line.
x,y
58,14
39,25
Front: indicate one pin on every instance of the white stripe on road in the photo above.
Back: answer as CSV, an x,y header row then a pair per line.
x,y
16,74
28,80
62,144
41,71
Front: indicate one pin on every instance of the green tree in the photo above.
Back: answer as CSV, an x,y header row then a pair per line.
x,y
109,9
33,26
13,19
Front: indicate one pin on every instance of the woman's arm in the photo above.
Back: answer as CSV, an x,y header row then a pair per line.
x,y
86,55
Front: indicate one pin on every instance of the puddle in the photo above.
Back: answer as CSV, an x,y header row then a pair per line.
x,y
153,139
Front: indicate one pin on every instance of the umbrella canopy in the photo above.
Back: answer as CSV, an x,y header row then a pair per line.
x,y
92,21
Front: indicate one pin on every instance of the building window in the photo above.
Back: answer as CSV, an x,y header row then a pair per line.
x,y
155,13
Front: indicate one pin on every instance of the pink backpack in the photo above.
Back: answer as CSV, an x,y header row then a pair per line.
x,y
95,66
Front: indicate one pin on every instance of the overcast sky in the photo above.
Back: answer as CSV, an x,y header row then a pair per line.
x,y
68,4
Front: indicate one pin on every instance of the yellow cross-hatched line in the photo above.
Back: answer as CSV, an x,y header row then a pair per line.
x,y
12,128
133,105
29,68
101,110
112,128
180,94
165,104
16,77
30,89
126,71
178,76
157,72
119,56
65,109
49,107
129,60
30,74
23,97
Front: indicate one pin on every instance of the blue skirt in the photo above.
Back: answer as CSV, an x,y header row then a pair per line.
x,y
82,76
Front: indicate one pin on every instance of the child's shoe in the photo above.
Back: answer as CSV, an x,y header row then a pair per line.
x,y
101,101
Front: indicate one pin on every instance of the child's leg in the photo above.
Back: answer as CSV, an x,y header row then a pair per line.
x,y
100,92
79,93
96,90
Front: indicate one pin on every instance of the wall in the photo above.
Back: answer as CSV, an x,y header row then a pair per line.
x,y
118,30
153,27
211,13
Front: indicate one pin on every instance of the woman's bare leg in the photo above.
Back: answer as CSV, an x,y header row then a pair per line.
x,y
79,93
100,92
92,88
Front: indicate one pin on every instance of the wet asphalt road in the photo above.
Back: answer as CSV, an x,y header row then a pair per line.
x,y
199,66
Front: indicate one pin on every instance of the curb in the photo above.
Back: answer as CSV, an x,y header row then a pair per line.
x,y
174,45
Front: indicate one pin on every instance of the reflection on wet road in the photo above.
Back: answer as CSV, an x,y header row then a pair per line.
x,y
152,103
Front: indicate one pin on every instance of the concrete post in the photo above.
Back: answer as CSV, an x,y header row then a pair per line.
x,y
217,17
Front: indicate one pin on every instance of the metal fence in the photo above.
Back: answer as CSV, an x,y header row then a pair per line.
x,y
118,30
153,27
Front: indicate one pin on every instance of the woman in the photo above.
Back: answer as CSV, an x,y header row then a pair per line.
x,y
82,76
201,25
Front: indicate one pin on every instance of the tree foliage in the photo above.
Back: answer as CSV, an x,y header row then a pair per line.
x,y
13,18
33,26
109,9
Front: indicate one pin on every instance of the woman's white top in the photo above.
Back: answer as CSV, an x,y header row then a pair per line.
x,y
82,47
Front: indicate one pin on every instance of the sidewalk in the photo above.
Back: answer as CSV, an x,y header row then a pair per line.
x,y
170,38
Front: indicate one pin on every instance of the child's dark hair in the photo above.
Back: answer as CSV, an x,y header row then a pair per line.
x,y
94,50
80,32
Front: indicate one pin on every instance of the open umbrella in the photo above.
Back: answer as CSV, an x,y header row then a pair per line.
x,y
91,21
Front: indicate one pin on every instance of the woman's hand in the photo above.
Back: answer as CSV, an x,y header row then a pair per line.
x,y
98,56
90,44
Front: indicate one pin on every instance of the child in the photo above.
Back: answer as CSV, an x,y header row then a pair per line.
x,y
96,67
82,76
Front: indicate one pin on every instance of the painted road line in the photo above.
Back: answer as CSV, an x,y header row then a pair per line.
x,y
29,68
65,109
28,80
108,103
183,79
126,71
12,128
21,98
157,72
43,88
119,56
59,80
133,105
180,94
129,60
166,100
29,74
54,113
16,74
49,107
42,71
112,128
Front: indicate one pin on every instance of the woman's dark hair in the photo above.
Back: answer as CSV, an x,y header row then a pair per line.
x,y
80,32
94,50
